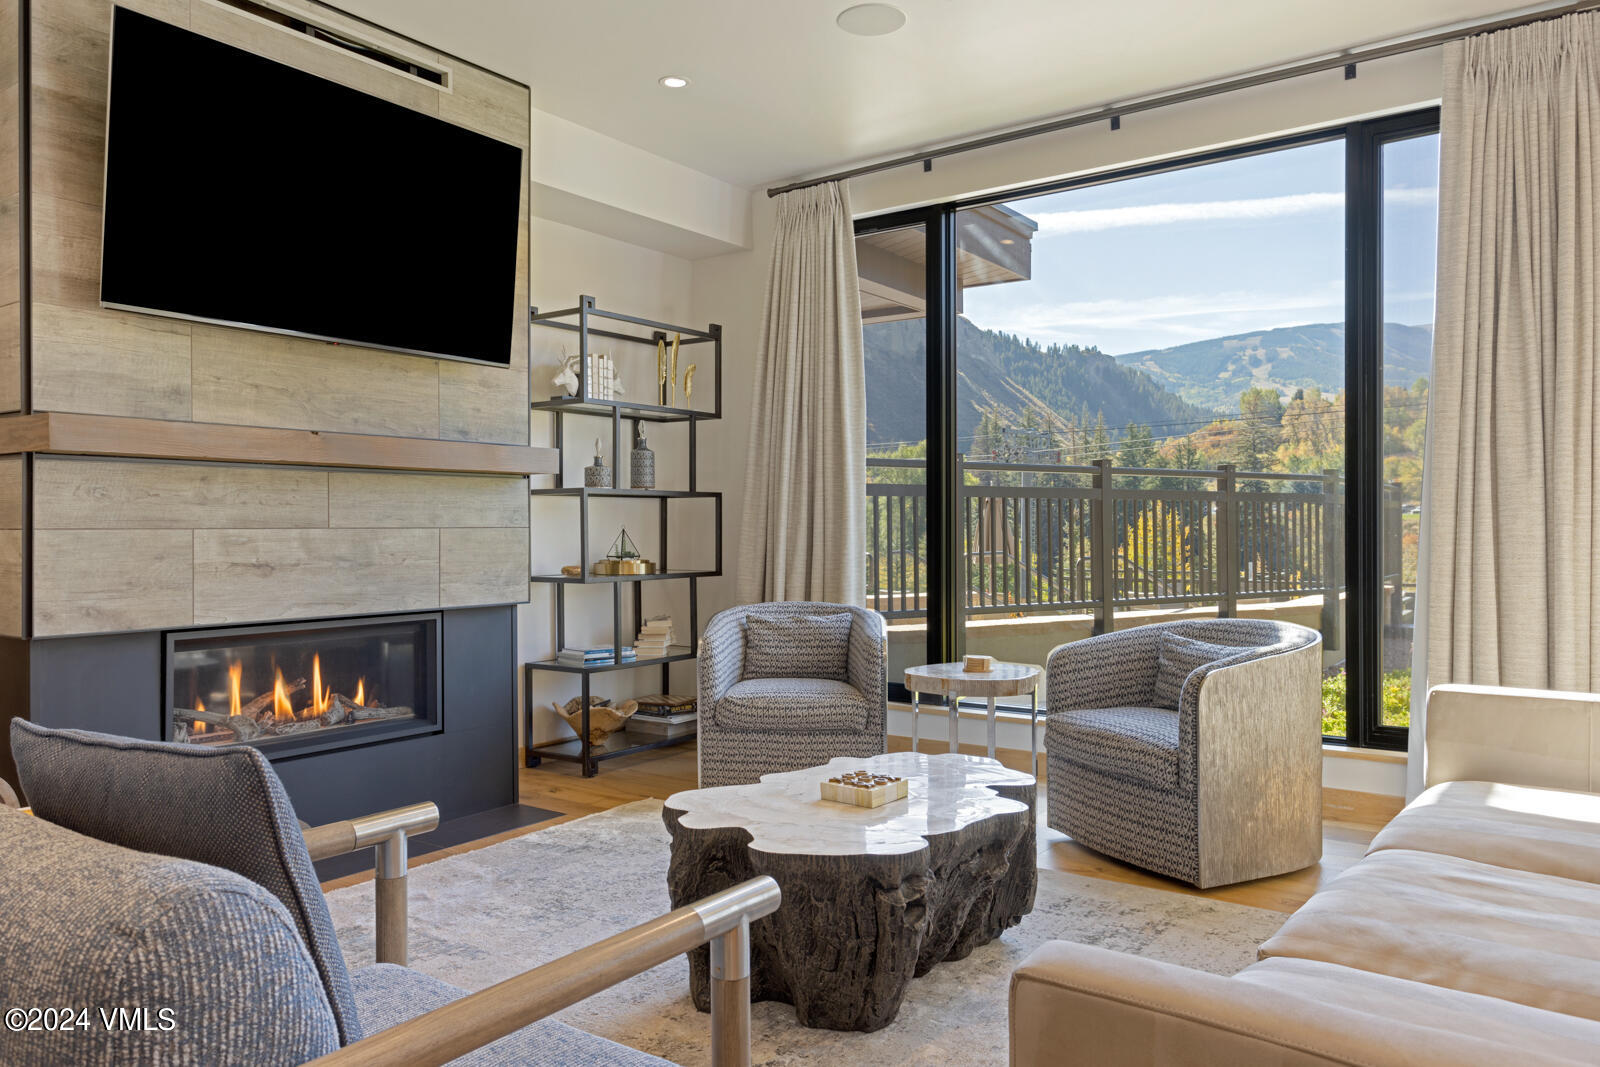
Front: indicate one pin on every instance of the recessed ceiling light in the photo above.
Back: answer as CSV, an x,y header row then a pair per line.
x,y
871,20
674,81
1007,241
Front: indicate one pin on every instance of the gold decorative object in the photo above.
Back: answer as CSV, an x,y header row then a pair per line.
x,y
673,378
661,371
604,719
623,558
688,387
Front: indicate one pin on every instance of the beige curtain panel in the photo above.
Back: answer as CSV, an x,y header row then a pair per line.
x,y
1512,587
804,532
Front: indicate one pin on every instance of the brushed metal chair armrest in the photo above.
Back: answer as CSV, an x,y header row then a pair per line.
x,y
473,1021
386,833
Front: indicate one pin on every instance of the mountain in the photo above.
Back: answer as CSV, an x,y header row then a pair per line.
x,y
1000,372
1214,372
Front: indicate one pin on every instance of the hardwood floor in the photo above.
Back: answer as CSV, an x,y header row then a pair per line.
x,y
559,787
662,772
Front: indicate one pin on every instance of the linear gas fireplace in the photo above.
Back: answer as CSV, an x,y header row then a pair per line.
x,y
304,687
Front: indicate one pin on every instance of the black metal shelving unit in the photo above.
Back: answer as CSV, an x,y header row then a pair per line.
x,y
582,321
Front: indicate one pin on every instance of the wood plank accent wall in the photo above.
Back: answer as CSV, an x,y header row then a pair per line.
x,y
85,358
141,545
10,212
12,522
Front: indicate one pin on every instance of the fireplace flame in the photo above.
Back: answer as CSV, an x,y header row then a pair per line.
x,y
321,699
235,671
282,710
274,710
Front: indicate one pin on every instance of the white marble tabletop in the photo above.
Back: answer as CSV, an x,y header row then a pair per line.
x,y
1004,680
786,813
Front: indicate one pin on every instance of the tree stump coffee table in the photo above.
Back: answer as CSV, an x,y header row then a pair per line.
x,y
871,896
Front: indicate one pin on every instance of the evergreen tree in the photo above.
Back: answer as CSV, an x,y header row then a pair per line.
x,y
1260,425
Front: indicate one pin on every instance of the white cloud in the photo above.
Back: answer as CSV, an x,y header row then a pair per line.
x,y
1125,324
1089,220
1154,310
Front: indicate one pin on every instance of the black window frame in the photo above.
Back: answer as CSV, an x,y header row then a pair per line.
x,y
1364,141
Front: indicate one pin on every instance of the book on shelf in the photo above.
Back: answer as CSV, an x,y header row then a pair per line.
x,y
649,726
670,720
583,657
664,703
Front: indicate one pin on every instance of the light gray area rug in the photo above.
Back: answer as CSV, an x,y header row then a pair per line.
x,y
479,918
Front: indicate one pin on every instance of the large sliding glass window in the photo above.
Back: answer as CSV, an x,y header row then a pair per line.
x,y
1409,172
892,263
1135,402
1130,332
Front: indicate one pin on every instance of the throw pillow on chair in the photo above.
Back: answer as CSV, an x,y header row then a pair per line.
x,y
800,646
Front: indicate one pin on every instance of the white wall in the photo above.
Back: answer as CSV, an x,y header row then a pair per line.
x,y
731,289
597,183
641,281
1311,102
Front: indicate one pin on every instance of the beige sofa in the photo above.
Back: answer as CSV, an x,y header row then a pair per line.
x,y
1469,934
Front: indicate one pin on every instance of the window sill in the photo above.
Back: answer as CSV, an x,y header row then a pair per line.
x,y
1375,755
1003,714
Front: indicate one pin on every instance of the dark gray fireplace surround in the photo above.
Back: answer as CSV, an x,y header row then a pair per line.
x,y
113,683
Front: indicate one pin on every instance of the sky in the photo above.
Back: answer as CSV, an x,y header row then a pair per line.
x,y
1245,244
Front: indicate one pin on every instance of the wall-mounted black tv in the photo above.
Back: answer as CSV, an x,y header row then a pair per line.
x,y
241,191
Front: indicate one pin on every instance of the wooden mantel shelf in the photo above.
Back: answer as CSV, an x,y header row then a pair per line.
x,y
106,435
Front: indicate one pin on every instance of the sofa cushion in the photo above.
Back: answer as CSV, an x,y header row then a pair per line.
x,y
387,995
1546,831
1134,744
793,705
87,925
1530,938
798,646
1498,1027
223,806
1177,657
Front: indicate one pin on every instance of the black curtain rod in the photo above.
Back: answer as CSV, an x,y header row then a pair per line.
x,y
1114,112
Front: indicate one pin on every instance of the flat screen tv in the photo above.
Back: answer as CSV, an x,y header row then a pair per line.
x,y
241,191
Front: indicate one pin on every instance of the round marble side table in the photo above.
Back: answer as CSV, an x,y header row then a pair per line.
x,y
954,682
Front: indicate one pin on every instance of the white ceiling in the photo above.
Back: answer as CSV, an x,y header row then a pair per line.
x,y
779,91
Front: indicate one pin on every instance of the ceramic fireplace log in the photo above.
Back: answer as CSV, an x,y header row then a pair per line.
x,y
261,706
343,712
243,728
367,712
210,718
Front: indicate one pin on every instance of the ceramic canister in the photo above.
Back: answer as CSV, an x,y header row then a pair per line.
x,y
641,463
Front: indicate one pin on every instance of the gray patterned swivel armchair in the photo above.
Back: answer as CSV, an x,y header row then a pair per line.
x,y
789,685
1191,749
